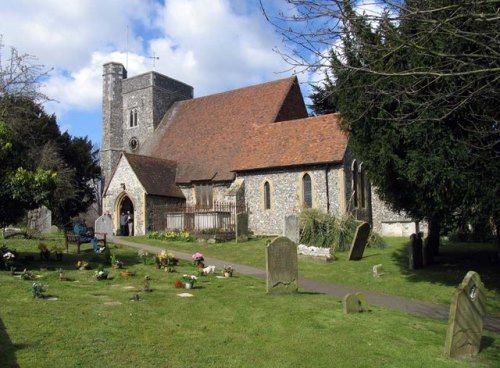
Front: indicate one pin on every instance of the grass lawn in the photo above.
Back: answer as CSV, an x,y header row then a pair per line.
x,y
229,322
434,284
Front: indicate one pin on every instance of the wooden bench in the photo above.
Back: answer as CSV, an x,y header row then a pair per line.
x,y
71,238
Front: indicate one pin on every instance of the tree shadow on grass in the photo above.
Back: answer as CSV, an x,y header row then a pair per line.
x,y
7,349
453,263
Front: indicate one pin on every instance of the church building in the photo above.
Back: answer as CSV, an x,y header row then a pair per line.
x,y
253,147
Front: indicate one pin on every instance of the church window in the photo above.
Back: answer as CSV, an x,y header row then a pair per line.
x,y
307,191
132,120
267,196
358,185
361,190
355,183
204,195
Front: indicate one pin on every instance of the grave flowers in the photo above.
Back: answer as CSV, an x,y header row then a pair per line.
x,y
198,260
189,281
228,271
166,260
143,255
37,290
82,265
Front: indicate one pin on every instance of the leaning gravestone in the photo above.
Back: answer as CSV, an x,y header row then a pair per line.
x,y
292,228
415,252
354,303
465,322
241,226
359,242
40,219
281,266
104,224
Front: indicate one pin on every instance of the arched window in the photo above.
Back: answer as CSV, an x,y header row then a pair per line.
x,y
355,183
267,196
307,191
361,189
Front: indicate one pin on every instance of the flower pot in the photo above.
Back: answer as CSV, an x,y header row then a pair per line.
x,y
228,274
188,285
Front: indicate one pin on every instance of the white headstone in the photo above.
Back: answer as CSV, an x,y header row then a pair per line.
x,y
104,224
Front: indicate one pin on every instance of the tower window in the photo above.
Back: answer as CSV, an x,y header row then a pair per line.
x,y
132,119
307,191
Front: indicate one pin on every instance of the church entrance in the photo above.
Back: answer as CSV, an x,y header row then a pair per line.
x,y
126,211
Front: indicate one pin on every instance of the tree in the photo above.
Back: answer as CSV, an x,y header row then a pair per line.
x,y
416,84
39,164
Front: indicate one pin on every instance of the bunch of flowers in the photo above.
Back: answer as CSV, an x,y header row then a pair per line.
x,y
101,275
9,259
82,265
166,260
143,254
198,259
37,290
228,270
189,279
115,262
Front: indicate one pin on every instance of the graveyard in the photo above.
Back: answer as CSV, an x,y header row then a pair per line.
x,y
235,321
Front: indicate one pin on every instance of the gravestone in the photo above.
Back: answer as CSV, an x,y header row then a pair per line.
x,y
355,303
378,270
40,219
359,242
291,229
281,266
104,224
415,252
241,226
465,322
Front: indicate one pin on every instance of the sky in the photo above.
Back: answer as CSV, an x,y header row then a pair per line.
x,y
212,45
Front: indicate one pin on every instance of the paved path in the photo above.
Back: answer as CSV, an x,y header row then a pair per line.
x,y
437,311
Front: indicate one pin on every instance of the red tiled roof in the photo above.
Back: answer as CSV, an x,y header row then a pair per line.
x,y
315,140
204,135
157,176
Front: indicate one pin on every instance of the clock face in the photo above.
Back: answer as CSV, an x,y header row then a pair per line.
x,y
133,143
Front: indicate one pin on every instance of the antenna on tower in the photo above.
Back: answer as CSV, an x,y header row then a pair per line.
x,y
126,60
154,57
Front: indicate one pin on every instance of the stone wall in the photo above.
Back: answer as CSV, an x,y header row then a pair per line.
x,y
286,195
125,183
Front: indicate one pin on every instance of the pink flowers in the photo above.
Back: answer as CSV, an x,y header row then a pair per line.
x,y
197,256
198,259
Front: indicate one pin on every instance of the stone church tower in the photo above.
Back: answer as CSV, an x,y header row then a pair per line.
x,y
132,108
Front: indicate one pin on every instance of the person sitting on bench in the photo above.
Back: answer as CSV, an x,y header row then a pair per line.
x,y
85,235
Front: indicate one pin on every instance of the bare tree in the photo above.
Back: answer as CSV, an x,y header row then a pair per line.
x,y
20,76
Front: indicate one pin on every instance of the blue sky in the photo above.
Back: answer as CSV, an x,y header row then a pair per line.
x,y
213,45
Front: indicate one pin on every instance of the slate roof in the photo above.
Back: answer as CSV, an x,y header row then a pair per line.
x,y
157,176
316,140
204,135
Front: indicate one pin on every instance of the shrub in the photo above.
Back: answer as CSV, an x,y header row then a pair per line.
x,y
327,231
